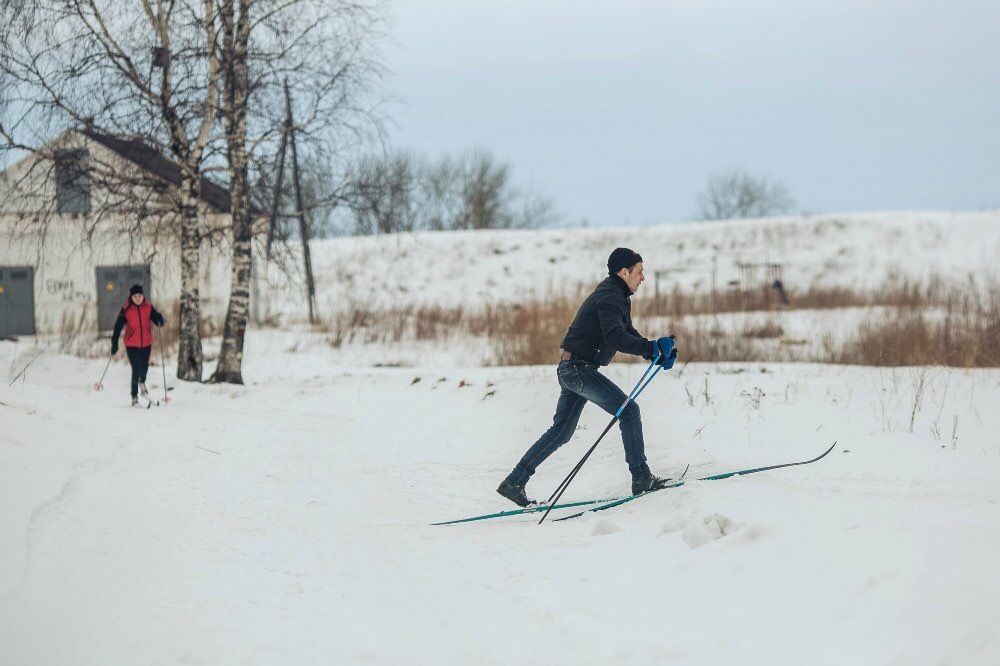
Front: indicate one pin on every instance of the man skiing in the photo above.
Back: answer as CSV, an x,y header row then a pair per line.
x,y
135,317
602,327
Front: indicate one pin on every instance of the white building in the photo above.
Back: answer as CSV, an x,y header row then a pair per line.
x,y
71,243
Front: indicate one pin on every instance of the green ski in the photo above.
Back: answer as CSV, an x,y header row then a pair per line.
x,y
518,512
714,477
540,507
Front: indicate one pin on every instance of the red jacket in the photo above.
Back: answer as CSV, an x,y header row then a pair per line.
x,y
137,320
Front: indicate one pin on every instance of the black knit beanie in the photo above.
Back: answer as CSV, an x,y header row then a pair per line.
x,y
136,289
621,258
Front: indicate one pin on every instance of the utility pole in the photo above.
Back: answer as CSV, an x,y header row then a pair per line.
x,y
275,206
288,136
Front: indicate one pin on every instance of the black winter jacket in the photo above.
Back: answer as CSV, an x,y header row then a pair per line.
x,y
603,325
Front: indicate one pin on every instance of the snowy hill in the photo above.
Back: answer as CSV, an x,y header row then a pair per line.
x,y
471,268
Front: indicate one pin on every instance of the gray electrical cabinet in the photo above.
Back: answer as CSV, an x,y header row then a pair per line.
x,y
113,283
17,301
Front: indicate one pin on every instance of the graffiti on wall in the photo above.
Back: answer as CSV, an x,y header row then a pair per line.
x,y
66,291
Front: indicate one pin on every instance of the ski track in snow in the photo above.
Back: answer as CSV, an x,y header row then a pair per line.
x,y
305,536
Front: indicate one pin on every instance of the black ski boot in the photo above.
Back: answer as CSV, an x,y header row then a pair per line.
x,y
515,494
135,401
643,484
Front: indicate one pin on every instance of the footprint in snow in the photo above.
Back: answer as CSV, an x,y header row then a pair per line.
x,y
710,528
604,527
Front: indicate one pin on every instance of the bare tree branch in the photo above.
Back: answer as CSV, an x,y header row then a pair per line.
x,y
738,194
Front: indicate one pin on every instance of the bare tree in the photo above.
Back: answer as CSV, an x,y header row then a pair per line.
x,y
441,191
398,192
485,193
145,74
324,190
385,194
738,194
475,191
320,50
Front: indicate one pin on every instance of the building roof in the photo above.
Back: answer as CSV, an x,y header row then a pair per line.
x,y
156,163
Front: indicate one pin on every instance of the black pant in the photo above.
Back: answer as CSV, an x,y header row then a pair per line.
x,y
139,358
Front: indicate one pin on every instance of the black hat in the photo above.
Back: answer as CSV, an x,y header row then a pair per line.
x,y
621,258
135,289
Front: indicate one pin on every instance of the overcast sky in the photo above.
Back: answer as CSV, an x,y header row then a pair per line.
x,y
619,111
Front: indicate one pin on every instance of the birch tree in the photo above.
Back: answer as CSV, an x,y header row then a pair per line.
x,y
324,52
233,48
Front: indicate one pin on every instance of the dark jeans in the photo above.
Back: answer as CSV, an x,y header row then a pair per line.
x,y
138,357
581,382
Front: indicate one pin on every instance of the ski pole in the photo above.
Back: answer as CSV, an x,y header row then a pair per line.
x,y
99,386
631,396
576,469
572,475
25,369
163,364
639,387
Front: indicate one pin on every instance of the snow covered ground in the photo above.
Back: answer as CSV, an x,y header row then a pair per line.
x,y
287,521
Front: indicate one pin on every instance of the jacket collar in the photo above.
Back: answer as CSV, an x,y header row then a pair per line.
x,y
614,279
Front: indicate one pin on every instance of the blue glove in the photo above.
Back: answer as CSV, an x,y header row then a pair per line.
x,y
668,352
667,362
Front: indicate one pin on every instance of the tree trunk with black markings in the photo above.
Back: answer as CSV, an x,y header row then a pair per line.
x,y
235,37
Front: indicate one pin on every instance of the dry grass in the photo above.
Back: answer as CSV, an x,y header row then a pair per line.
x,y
930,324
922,324
966,335
76,336
374,326
768,330
702,341
897,291
530,334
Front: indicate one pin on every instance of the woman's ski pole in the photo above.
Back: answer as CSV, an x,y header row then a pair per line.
x,y
99,386
24,370
163,364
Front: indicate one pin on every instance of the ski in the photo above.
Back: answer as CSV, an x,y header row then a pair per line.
x,y
541,507
713,477
520,512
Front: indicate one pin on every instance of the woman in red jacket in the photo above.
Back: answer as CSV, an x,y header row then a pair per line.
x,y
136,316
